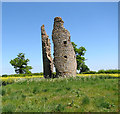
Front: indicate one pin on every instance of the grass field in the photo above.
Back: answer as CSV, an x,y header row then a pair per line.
x,y
79,94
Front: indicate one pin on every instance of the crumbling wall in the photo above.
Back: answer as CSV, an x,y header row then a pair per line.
x,y
64,55
46,50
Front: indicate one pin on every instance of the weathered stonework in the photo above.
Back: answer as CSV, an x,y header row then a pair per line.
x,y
46,50
64,55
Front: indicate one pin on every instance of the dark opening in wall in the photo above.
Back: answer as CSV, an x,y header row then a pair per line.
x,y
69,39
65,42
65,56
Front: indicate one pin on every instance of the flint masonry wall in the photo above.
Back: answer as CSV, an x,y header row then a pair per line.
x,y
64,55
46,50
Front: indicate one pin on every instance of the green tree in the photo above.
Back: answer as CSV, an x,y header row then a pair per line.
x,y
80,52
84,68
20,64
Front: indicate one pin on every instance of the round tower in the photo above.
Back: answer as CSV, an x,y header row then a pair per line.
x,y
64,55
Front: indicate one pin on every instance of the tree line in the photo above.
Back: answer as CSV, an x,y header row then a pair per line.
x,y
21,64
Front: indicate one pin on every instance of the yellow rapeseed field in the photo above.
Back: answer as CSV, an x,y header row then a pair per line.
x,y
39,76
113,75
3,78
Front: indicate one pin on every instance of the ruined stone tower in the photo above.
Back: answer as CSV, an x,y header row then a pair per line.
x,y
46,51
64,55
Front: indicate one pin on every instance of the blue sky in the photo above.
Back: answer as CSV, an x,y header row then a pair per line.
x,y
92,25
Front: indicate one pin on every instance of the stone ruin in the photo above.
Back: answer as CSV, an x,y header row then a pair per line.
x,y
46,51
64,55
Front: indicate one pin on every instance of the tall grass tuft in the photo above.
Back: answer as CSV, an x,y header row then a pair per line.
x,y
36,90
101,103
59,108
85,100
8,108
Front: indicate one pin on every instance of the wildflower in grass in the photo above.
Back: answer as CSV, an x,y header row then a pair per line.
x,y
71,104
76,106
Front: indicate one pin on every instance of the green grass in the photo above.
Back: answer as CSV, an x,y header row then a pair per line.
x,y
79,94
